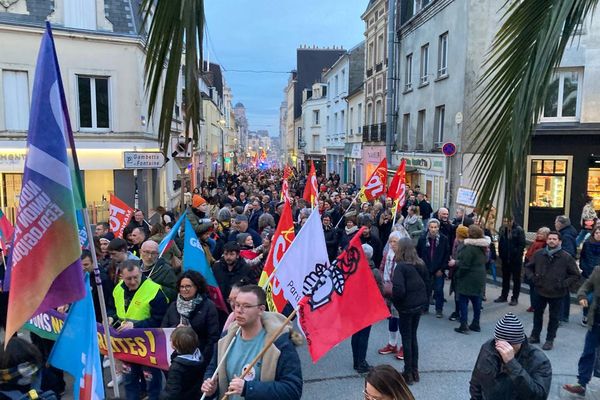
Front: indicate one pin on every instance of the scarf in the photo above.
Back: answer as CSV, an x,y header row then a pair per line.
x,y
350,231
410,220
390,264
185,307
437,240
552,252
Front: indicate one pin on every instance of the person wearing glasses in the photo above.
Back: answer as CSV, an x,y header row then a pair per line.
x,y
158,269
384,382
194,308
277,375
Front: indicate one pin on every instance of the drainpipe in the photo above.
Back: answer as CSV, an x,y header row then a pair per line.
x,y
389,137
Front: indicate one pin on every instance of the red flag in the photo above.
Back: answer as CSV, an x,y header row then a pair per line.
x,y
6,230
120,215
376,184
397,189
283,237
311,190
343,299
285,187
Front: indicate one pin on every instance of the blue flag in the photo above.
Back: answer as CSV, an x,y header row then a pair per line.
x,y
194,259
76,349
165,243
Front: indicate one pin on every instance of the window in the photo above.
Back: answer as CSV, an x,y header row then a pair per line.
x,y
328,125
440,114
424,64
359,117
343,80
408,72
94,104
564,96
380,49
336,86
548,179
80,14
351,120
420,128
328,92
316,117
342,121
16,99
370,114
370,56
405,130
443,55
335,124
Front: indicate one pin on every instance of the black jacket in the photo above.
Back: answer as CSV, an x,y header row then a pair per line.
x,y
204,320
511,244
332,240
552,275
375,243
568,236
526,377
425,209
441,252
184,380
241,272
409,292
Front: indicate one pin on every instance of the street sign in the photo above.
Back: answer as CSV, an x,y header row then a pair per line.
x,y
143,160
449,149
466,197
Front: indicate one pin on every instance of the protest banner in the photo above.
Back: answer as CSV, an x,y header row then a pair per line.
x,y
144,346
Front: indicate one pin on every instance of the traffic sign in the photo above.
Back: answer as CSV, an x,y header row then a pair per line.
x,y
143,160
449,149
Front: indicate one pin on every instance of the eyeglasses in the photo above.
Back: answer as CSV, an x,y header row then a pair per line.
x,y
186,287
244,307
370,396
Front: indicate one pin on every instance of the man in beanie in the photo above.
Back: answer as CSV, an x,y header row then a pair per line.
x,y
509,368
240,225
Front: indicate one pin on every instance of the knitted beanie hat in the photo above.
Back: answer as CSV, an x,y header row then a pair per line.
x,y
462,232
510,329
197,201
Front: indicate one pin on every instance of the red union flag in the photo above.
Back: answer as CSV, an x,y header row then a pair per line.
x,y
120,215
340,300
283,237
376,184
311,190
397,190
285,187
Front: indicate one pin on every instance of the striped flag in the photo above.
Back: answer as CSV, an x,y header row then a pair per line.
x,y
397,189
45,268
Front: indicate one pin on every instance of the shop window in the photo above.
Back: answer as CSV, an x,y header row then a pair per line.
x,y
548,179
11,190
593,186
94,102
564,96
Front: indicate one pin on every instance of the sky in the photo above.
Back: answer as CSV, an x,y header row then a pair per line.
x,y
263,35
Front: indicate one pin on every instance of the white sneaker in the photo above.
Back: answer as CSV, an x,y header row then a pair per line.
x,y
106,362
120,379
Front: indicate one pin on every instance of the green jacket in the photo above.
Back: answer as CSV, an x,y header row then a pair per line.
x,y
471,260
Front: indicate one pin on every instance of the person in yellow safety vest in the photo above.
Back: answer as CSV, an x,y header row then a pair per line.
x,y
139,303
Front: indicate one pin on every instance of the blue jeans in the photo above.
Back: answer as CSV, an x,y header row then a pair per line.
x,y
588,357
136,375
438,292
463,304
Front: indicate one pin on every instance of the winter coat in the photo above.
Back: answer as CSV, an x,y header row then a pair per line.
x,y
552,275
241,272
438,261
345,239
332,240
204,320
568,236
591,285
471,274
253,219
425,209
281,372
163,274
415,230
535,246
511,244
528,376
183,379
375,243
409,293
589,257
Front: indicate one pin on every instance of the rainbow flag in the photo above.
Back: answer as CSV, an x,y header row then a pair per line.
x,y
45,270
6,230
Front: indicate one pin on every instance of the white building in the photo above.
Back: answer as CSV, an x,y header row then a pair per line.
x,y
314,107
336,78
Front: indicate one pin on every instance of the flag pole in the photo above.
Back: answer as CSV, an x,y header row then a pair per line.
x,y
214,375
111,356
353,201
268,344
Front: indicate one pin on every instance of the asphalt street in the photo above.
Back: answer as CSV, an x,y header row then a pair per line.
x,y
446,358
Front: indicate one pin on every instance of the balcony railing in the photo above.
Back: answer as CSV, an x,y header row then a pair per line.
x,y
374,133
378,67
369,72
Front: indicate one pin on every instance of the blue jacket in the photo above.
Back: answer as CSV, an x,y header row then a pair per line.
x,y
281,373
589,257
441,252
568,235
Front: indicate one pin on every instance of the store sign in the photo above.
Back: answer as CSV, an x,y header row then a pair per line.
x,y
425,163
13,157
356,150
143,160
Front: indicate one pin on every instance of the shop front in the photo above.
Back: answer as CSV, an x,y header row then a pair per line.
x,y
427,171
352,164
319,161
102,173
561,170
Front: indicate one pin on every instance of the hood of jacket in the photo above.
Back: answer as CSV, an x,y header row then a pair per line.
x,y
482,242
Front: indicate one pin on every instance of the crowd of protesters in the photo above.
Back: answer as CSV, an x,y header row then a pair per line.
x,y
415,254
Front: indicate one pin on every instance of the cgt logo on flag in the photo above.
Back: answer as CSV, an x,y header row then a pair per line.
x,y
120,215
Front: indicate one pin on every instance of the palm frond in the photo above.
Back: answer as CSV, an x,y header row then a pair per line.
x,y
175,32
512,90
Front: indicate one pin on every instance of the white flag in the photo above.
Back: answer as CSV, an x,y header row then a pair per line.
x,y
300,259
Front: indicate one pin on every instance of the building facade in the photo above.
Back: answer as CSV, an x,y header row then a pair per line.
x,y
337,79
314,108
